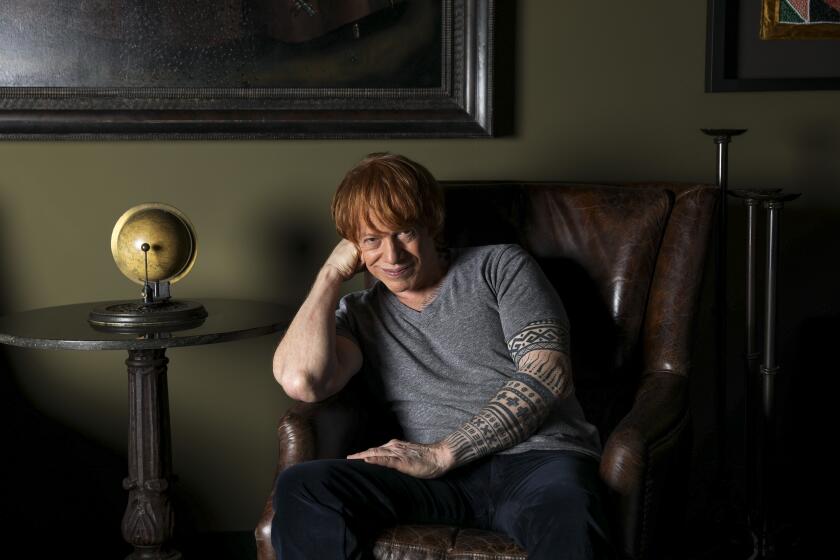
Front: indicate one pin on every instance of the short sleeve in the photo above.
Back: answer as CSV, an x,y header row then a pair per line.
x,y
531,312
345,325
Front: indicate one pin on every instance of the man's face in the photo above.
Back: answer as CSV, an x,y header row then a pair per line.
x,y
405,261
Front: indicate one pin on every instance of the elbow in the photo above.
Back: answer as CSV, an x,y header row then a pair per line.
x,y
300,387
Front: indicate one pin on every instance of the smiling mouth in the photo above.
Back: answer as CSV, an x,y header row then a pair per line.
x,y
397,272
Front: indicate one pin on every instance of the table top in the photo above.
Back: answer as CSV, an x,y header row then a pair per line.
x,y
67,327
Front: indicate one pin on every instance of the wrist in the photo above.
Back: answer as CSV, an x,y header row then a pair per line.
x,y
445,455
330,273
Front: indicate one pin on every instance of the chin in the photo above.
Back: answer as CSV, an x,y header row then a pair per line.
x,y
396,286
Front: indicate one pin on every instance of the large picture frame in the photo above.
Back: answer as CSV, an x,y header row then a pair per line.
x,y
146,102
737,59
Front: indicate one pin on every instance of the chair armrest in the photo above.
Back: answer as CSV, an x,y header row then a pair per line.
x,y
657,414
639,456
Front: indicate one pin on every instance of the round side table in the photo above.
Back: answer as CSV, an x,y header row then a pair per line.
x,y
148,521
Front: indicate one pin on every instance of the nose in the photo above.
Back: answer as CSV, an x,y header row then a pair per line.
x,y
391,250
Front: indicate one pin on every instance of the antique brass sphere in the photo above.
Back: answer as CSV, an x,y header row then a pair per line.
x,y
170,238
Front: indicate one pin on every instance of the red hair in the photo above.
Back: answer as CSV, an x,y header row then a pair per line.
x,y
395,190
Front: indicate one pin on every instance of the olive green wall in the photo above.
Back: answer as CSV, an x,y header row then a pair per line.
x,y
605,91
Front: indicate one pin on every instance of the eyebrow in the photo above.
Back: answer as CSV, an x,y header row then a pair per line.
x,y
373,232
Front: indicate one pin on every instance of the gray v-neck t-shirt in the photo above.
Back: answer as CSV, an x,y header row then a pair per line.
x,y
437,368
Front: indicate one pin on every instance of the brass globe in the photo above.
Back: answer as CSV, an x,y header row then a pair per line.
x,y
170,237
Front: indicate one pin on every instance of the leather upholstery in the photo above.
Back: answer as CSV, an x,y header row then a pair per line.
x,y
627,262
442,541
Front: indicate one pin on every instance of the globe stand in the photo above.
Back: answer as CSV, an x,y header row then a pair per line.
x,y
139,316
157,312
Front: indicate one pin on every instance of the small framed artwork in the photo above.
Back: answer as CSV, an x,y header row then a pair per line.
x,y
800,19
207,69
765,45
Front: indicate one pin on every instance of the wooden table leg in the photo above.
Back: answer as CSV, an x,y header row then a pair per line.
x,y
149,518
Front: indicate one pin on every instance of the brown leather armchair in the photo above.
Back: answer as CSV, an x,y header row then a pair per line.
x,y
627,262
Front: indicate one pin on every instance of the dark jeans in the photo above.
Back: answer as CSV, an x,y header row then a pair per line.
x,y
550,502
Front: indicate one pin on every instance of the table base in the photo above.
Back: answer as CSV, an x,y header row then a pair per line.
x,y
149,517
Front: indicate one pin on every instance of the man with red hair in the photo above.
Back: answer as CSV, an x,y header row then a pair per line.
x,y
469,348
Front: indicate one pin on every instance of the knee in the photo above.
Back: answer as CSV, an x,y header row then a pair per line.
x,y
308,482
305,506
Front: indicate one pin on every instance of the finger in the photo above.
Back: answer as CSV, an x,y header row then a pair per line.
x,y
385,461
374,451
361,454
382,458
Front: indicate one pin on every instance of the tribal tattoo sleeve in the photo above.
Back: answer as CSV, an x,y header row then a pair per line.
x,y
543,375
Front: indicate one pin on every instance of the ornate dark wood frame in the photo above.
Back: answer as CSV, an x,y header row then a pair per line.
x,y
462,107
721,57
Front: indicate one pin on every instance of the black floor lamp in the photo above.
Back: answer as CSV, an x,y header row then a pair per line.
x,y
722,137
761,376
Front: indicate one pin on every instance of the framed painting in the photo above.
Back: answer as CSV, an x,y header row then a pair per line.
x,y
738,59
219,69
800,19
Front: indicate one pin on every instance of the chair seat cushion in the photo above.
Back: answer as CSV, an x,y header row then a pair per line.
x,y
439,542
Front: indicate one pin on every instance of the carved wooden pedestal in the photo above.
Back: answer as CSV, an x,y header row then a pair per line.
x,y
149,518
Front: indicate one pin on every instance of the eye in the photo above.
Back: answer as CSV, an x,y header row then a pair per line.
x,y
408,234
370,241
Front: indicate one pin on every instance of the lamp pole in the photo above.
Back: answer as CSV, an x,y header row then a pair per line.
x,y
722,137
769,370
762,463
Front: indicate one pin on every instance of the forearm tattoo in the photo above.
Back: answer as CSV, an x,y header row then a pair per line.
x,y
540,352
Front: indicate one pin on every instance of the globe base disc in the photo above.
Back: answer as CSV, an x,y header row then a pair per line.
x,y
140,316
